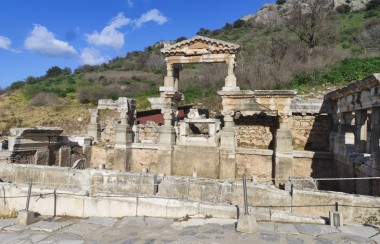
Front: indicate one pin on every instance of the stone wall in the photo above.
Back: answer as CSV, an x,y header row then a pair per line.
x,y
98,192
350,168
254,163
256,131
144,160
148,133
310,132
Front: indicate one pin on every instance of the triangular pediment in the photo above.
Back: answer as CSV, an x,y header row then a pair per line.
x,y
200,45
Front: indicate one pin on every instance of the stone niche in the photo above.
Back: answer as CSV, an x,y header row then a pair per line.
x,y
197,130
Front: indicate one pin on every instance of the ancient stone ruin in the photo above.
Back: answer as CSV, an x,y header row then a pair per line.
x,y
269,136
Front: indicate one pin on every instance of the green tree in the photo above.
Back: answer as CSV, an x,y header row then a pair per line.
x,y
53,71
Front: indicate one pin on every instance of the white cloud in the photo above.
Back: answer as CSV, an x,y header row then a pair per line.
x,y
6,44
92,56
110,35
44,42
152,15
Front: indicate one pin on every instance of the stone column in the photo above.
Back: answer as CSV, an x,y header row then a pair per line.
x,y
345,134
177,70
230,81
360,131
375,136
169,78
94,126
283,151
167,132
228,147
123,141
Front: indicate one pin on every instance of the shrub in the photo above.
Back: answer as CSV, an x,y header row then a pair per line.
x,y
44,99
373,4
344,8
280,2
16,85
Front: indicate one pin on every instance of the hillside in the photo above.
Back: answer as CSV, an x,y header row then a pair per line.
x,y
274,55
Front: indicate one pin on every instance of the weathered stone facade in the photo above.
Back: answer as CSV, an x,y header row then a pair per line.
x,y
148,133
311,132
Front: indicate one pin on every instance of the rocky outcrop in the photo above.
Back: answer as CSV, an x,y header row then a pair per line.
x,y
274,13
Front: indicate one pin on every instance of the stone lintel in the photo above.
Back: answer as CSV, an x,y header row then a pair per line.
x,y
235,94
275,93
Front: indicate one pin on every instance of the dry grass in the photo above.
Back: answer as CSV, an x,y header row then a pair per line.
x,y
16,112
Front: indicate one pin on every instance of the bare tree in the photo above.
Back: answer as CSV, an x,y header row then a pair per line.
x,y
309,22
370,37
155,62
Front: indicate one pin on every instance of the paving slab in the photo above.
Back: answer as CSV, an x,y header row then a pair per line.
x,y
81,228
71,242
327,229
376,238
13,237
157,222
285,228
364,231
16,227
309,229
190,222
211,229
6,222
270,236
132,222
49,226
343,238
269,226
37,238
100,221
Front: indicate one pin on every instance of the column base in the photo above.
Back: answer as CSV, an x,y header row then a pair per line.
x,y
227,138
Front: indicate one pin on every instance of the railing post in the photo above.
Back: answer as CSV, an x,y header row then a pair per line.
x,y
28,197
245,195
55,202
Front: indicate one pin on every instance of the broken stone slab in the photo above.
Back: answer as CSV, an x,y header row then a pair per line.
x,y
100,221
50,226
158,222
286,228
280,216
304,184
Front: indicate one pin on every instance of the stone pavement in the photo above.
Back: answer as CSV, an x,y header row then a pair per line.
x,y
157,230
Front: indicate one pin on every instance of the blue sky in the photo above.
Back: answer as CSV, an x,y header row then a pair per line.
x,y
38,34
